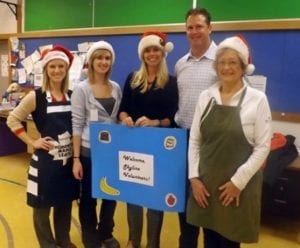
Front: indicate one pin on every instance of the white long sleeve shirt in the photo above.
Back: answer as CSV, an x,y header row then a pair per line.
x,y
256,122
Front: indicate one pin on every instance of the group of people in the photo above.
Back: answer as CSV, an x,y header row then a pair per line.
x,y
228,122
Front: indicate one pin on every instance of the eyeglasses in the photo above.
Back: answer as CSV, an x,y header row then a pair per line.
x,y
230,63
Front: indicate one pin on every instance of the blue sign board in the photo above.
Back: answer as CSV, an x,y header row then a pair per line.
x,y
145,166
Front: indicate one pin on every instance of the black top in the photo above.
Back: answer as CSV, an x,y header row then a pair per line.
x,y
155,103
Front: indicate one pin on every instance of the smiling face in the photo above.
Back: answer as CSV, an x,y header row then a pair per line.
x,y
57,70
102,61
229,66
198,30
153,56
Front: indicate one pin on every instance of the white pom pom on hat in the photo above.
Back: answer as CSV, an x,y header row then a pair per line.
x,y
100,45
239,44
154,38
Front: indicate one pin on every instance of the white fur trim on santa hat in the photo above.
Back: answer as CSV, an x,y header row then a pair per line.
x,y
100,45
55,55
240,46
154,40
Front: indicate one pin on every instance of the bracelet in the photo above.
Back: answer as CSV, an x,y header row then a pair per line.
x,y
75,157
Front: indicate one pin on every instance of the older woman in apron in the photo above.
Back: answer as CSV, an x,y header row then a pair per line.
x,y
229,141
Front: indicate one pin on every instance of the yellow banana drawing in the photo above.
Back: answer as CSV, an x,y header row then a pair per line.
x,y
107,189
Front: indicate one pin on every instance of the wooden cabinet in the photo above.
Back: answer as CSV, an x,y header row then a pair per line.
x,y
283,198
9,143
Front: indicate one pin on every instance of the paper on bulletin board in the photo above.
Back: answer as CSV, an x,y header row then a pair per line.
x,y
27,64
45,47
75,70
258,82
141,165
4,65
21,76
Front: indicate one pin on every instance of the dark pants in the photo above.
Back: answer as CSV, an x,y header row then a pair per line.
x,y
94,230
188,233
213,239
61,223
135,223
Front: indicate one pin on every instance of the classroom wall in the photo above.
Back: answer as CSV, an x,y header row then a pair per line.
x,y
8,25
8,22
100,13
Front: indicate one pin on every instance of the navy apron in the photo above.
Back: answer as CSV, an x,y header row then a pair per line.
x,y
224,148
50,178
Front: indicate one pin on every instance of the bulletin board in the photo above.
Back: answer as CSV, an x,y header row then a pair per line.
x,y
275,55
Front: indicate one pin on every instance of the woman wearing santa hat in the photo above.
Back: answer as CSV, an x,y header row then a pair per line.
x,y
229,141
50,180
97,98
150,98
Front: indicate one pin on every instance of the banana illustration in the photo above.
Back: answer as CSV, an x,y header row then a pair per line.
x,y
107,189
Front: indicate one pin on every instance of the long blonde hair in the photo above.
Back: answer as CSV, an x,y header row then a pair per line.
x,y
140,77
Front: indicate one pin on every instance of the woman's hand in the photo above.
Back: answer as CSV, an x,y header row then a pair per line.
x,y
229,194
146,122
128,121
200,192
77,169
45,143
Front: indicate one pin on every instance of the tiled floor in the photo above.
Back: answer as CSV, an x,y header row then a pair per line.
x,y
16,230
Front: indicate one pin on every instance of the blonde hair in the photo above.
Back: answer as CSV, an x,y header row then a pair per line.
x,y
91,69
140,77
46,81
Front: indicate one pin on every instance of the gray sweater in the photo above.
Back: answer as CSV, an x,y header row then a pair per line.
x,y
84,106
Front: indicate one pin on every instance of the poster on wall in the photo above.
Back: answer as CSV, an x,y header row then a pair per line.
x,y
4,65
145,166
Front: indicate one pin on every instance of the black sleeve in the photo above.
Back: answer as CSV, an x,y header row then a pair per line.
x,y
126,96
172,99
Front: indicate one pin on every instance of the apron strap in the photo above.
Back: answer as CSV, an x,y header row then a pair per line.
x,y
242,97
208,107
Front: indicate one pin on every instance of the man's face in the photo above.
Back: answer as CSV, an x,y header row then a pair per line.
x,y
197,30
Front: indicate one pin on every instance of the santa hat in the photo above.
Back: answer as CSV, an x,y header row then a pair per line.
x,y
57,52
154,38
100,45
239,44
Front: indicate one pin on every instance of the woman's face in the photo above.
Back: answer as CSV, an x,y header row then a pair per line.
x,y
229,66
102,62
153,56
57,70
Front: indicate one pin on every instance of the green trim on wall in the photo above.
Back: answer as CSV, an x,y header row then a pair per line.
x,y
67,14
233,10
139,12
57,14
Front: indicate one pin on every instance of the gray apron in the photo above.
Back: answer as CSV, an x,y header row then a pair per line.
x,y
224,148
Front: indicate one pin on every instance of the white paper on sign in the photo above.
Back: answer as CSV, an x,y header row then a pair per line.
x,y
136,167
